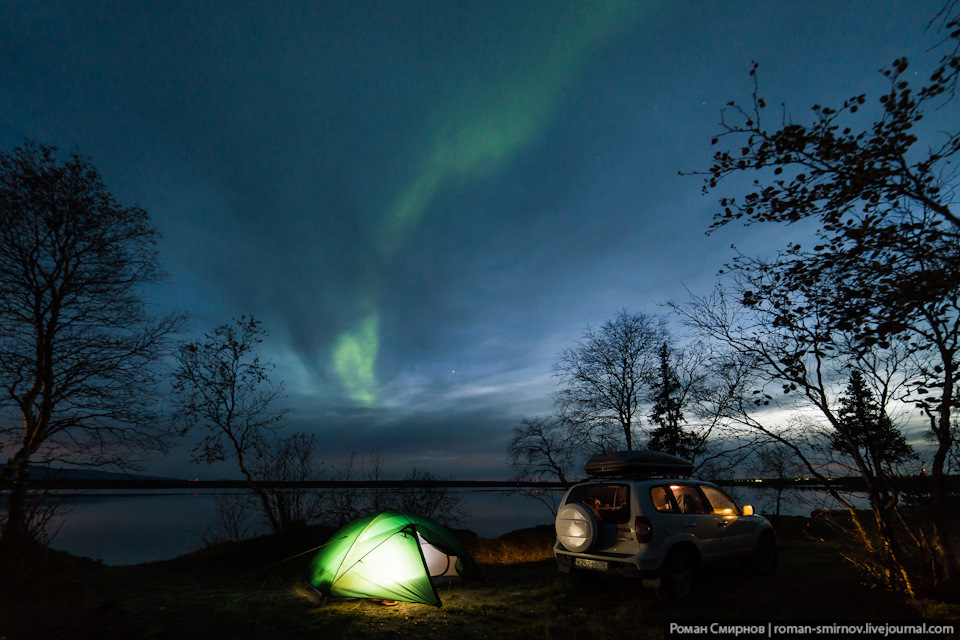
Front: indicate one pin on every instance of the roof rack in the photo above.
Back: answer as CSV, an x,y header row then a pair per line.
x,y
643,462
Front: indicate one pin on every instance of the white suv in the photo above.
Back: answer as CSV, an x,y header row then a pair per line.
x,y
628,520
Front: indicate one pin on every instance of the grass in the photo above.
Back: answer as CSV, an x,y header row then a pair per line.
x,y
252,590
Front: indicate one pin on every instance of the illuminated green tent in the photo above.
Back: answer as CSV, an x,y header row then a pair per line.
x,y
393,555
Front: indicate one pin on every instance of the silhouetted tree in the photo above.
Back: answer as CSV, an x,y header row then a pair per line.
x,y
345,505
231,520
885,264
713,384
804,362
887,257
606,376
283,464
776,461
282,468
611,378
545,449
667,413
430,498
870,433
550,449
221,387
427,494
78,350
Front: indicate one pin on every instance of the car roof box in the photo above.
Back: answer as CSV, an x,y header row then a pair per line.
x,y
637,463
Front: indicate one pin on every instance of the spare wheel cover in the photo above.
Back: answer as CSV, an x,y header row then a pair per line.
x,y
576,527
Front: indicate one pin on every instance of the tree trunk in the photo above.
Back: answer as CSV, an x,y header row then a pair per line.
x,y
946,567
15,529
892,550
16,476
261,494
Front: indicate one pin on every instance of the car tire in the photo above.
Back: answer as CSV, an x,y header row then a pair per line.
x,y
677,577
576,526
765,555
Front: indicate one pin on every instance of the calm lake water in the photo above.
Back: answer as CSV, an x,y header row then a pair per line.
x,y
136,527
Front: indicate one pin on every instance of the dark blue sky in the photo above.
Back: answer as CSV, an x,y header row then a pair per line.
x,y
425,201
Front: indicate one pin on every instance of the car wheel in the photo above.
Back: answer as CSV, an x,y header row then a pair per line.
x,y
576,527
765,555
677,577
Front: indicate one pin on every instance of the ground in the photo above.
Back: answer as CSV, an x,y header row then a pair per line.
x,y
253,590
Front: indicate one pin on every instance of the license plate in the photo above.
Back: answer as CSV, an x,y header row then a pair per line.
x,y
586,563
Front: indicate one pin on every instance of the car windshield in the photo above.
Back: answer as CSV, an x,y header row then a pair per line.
x,y
609,502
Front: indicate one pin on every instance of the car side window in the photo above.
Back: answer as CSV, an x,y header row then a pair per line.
x,y
610,502
688,499
662,500
720,502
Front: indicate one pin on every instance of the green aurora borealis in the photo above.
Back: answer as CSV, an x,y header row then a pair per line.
x,y
492,111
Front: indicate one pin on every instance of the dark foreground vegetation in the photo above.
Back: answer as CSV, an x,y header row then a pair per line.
x,y
252,589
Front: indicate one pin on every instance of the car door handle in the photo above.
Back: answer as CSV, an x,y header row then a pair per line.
x,y
722,524
690,525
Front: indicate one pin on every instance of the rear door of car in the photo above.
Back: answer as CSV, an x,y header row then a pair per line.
x,y
610,503
695,516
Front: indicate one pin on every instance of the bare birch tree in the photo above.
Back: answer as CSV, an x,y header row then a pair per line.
x,y
606,377
79,352
222,388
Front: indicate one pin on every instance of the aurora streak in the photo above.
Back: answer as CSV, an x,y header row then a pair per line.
x,y
485,120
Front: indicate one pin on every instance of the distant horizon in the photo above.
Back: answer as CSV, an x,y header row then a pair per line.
x,y
68,479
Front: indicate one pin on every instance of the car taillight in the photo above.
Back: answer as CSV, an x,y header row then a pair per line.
x,y
643,529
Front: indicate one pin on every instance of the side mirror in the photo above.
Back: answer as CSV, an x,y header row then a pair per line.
x,y
747,510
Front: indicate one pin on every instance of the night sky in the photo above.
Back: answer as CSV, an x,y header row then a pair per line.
x,y
426,201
